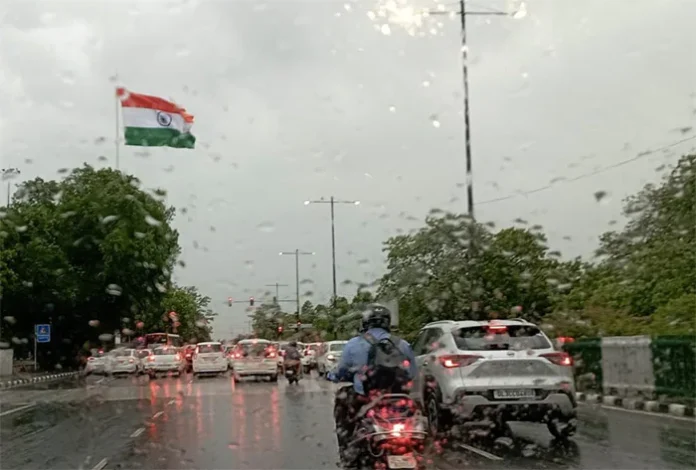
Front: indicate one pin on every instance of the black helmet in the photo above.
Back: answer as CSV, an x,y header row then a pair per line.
x,y
376,316
293,344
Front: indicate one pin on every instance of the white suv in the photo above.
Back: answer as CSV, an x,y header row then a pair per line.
x,y
488,373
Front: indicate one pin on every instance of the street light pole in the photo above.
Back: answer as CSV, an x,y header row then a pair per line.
x,y
277,290
465,77
297,254
332,202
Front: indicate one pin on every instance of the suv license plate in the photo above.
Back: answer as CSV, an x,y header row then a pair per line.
x,y
401,461
514,393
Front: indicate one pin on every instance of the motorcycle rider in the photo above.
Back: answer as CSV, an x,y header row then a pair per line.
x,y
376,325
292,354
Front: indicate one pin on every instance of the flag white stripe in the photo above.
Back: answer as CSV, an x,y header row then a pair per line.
x,y
147,118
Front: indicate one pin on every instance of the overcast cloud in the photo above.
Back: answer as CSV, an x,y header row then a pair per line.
x,y
304,99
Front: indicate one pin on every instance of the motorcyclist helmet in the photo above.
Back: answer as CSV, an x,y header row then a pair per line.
x,y
376,316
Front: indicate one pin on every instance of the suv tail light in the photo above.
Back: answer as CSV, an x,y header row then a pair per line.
x,y
559,358
459,360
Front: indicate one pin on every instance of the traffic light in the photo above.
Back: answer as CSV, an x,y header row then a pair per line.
x,y
229,301
251,301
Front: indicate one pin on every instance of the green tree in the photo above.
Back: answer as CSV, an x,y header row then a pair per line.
x,y
86,253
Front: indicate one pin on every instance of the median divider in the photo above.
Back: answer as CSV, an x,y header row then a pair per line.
x,y
656,374
18,382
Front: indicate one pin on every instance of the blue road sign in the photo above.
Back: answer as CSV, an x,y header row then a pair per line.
x,y
43,333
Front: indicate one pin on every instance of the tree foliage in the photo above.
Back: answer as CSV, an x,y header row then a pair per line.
x,y
90,254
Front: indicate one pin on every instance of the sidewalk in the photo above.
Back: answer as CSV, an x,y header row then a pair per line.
x,y
28,378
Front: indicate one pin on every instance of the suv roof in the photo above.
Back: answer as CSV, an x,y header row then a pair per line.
x,y
469,323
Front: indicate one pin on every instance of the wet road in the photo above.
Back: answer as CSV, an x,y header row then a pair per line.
x,y
210,423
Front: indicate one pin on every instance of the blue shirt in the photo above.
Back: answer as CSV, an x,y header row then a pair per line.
x,y
354,358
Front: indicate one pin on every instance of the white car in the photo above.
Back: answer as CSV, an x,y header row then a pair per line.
x,y
329,356
309,356
255,358
209,358
122,361
164,360
96,363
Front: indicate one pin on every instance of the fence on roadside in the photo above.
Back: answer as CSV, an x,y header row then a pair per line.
x,y
636,366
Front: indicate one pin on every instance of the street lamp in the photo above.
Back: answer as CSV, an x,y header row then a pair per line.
x,y
408,17
332,201
297,254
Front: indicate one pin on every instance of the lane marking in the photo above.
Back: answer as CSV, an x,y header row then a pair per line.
x,y
158,414
137,432
640,412
16,410
102,463
480,452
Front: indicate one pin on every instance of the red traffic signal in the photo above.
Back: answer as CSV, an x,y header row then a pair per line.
x,y
229,301
251,301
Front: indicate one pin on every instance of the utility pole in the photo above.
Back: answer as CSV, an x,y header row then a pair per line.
x,y
297,253
277,290
332,202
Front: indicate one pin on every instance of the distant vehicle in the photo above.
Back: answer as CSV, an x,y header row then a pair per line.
x,y
255,358
163,339
163,360
329,356
123,361
209,358
96,362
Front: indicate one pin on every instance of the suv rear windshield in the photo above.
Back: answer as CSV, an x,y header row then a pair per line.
x,y
164,351
516,337
209,348
258,349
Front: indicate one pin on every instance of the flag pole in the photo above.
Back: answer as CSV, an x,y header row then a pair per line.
x,y
118,149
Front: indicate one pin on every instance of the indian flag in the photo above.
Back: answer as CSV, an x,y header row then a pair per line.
x,y
150,121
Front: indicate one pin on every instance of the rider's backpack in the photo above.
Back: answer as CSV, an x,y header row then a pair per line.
x,y
387,366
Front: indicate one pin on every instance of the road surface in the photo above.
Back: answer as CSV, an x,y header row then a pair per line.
x,y
133,423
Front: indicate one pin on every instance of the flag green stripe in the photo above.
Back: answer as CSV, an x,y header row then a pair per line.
x,y
145,137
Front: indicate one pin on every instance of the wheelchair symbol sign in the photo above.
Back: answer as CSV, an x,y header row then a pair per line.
x,y
43,333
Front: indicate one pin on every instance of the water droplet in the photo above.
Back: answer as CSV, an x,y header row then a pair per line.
x,y
434,120
392,109
106,337
93,323
109,218
426,83
127,332
21,228
114,289
599,195
266,227
385,29
152,221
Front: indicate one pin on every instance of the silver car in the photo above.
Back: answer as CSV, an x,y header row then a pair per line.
x,y
330,356
487,373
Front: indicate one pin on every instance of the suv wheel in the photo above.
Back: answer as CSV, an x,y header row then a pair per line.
x,y
439,420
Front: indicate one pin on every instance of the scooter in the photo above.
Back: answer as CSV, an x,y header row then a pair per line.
x,y
292,371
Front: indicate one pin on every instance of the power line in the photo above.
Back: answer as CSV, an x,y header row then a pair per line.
x,y
641,155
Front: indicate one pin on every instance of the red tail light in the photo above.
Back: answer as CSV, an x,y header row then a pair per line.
x,y
460,360
496,328
565,339
559,358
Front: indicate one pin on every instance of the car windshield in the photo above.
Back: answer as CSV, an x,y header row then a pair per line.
x,y
209,348
516,337
337,347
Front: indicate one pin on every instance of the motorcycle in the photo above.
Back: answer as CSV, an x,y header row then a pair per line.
x,y
390,433
292,371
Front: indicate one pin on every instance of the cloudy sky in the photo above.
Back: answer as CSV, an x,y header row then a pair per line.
x,y
308,99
